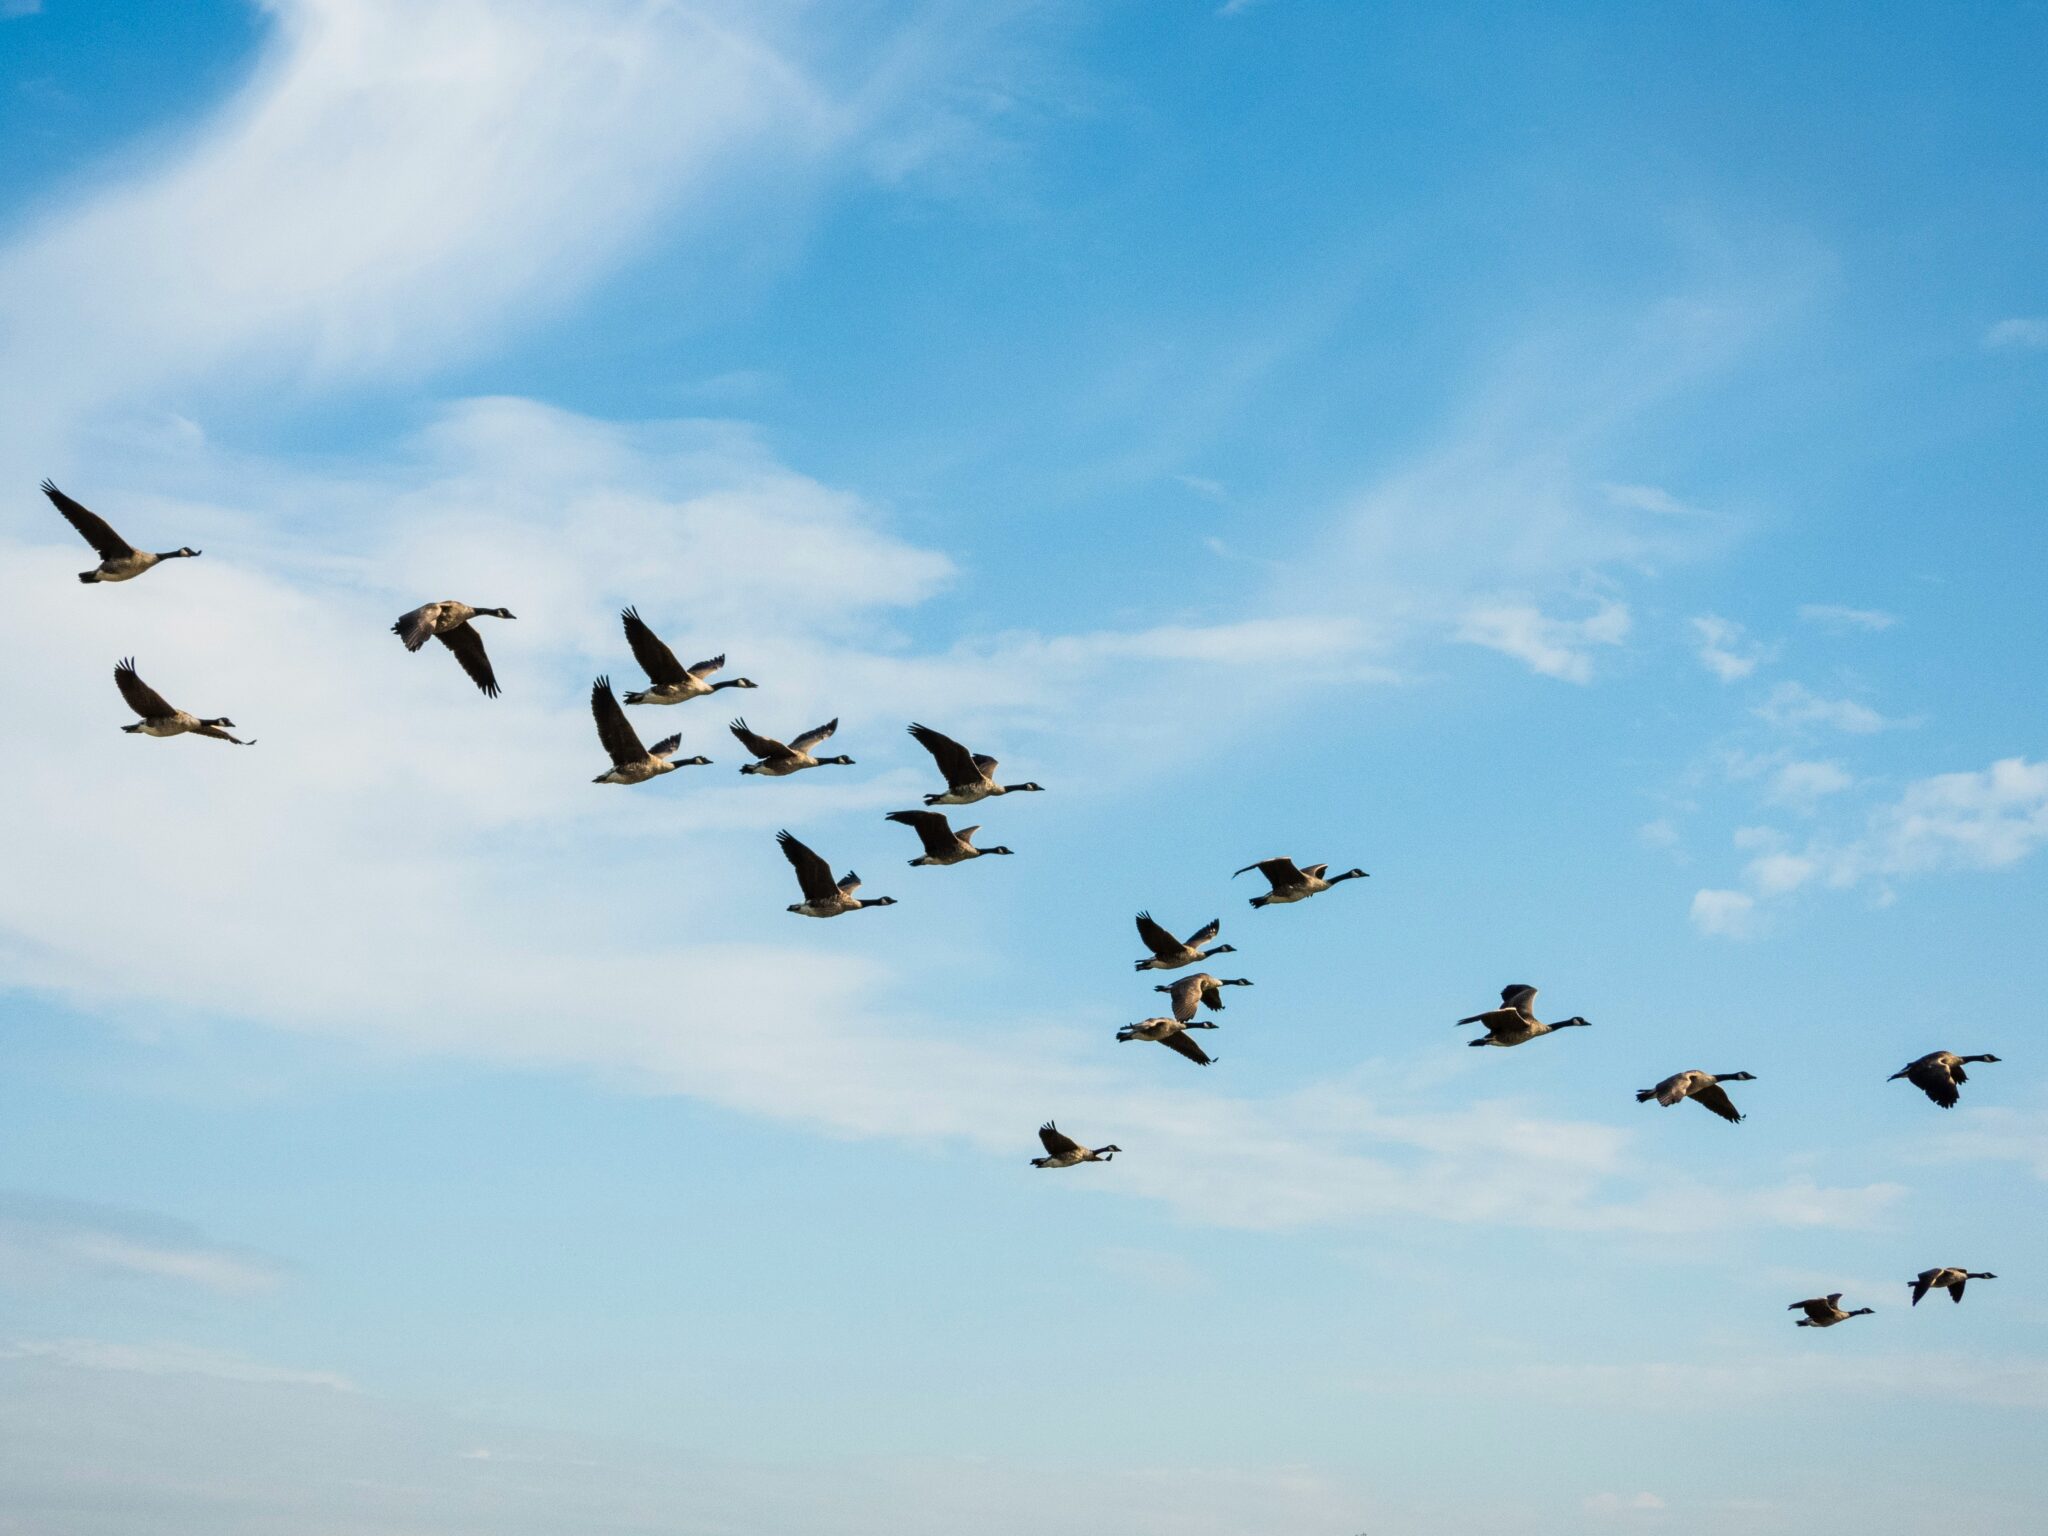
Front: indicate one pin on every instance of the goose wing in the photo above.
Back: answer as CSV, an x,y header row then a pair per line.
x,y
760,746
933,830
1056,1141
416,628
1521,997
812,872
1178,1041
1185,993
1279,872
220,735
655,658
142,698
955,761
468,647
1715,1097
708,666
1202,936
614,730
1923,1285
91,526
1157,939
1934,1080
816,735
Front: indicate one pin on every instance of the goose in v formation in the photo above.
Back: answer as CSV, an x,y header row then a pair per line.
x,y
1169,953
1292,882
668,680
970,776
1938,1074
1171,1033
1514,1022
1062,1151
823,896
1703,1088
631,762
1825,1311
449,622
159,718
778,760
1947,1279
1202,988
119,560
942,845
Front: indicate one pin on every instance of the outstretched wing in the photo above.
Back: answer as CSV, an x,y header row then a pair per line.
x,y
1157,939
933,830
1177,1041
812,872
816,735
468,647
142,698
655,658
1931,1080
1279,872
1185,993
621,742
760,746
413,628
1203,935
955,761
1715,1097
1056,1141
1922,1286
1520,996
707,667
91,526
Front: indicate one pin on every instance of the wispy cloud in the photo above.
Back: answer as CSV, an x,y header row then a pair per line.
x,y
1730,914
1836,617
2025,332
1560,648
1723,651
1794,706
167,1360
57,1242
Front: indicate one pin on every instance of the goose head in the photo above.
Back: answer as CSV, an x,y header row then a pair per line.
x,y
841,761
1574,1022
185,553
689,762
1734,1077
1020,789
1221,949
495,613
985,852
878,901
221,724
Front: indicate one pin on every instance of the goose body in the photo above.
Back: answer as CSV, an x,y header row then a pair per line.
x,y
449,622
119,560
969,775
1515,1021
1938,1074
1947,1279
1202,988
823,896
668,680
1062,1151
778,760
159,718
1703,1088
1171,1033
1825,1311
631,762
942,845
1169,953
1292,882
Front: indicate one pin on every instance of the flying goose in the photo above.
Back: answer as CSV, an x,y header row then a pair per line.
x,y
1825,1311
823,897
1171,1033
942,845
969,775
1062,1151
631,762
448,622
1293,883
1947,1279
1938,1074
777,759
669,681
1701,1087
1514,1022
119,560
159,719
1201,987
1169,954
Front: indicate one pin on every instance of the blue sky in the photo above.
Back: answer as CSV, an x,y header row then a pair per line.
x,y
1583,466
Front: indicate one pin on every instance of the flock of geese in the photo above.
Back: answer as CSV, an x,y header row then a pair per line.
x,y
970,779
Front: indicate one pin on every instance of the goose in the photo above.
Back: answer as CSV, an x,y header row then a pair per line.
x,y
1201,987
1514,1022
1171,1033
1293,883
1062,1151
119,560
942,845
159,719
1947,1279
631,762
1938,1074
1169,954
1702,1088
448,622
776,759
823,897
669,681
1825,1311
969,775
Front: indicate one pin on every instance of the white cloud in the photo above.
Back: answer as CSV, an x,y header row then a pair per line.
x,y
57,1243
1552,647
1727,913
1722,651
1804,784
2021,332
10,9
1648,498
1612,1504
1838,618
1794,706
166,1359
